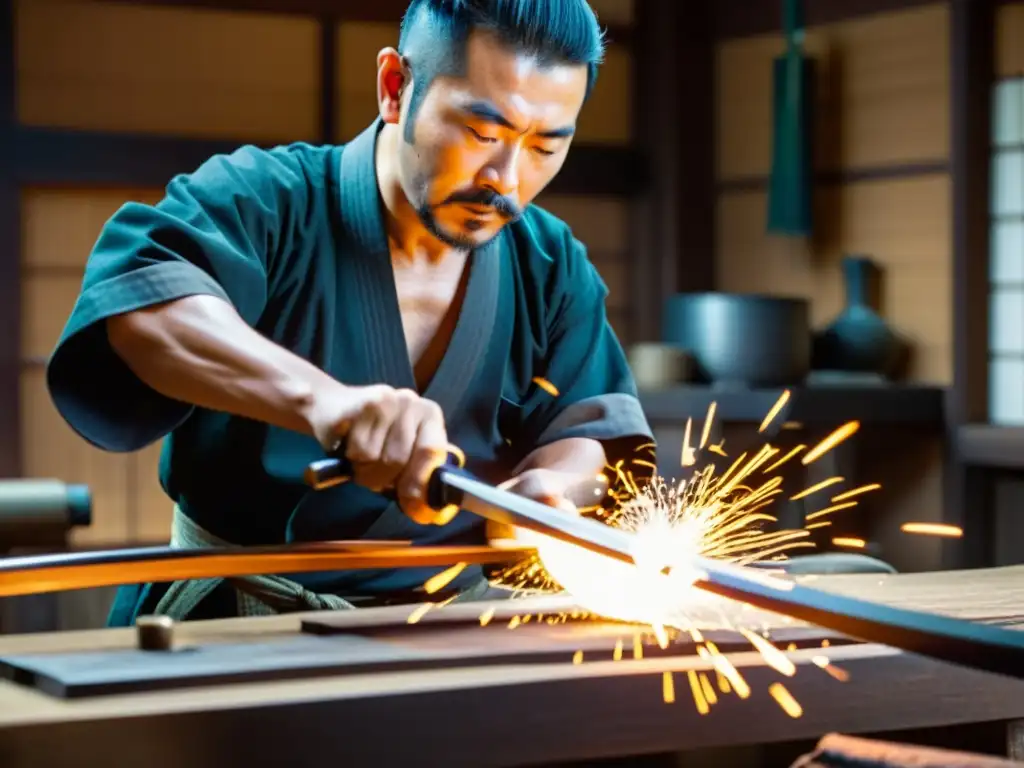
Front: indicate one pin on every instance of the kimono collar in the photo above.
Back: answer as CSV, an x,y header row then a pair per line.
x,y
361,204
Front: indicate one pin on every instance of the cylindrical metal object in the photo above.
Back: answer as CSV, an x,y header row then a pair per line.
x,y
32,503
155,633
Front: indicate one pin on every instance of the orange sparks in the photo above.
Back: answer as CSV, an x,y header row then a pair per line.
x,y
814,526
837,673
698,693
723,682
514,622
772,656
847,541
830,510
854,492
419,612
933,529
725,668
707,689
617,653
718,448
770,416
443,579
816,487
638,647
486,616
546,385
785,700
661,635
577,658
689,456
709,420
668,688
785,458
830,442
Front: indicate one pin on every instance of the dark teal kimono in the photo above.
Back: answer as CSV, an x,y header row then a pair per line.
x,y
294,238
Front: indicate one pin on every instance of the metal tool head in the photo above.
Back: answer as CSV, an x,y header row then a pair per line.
x,y
454,486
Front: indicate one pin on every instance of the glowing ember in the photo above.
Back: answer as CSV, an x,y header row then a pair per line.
x,y
785,700
546,385
839,674
698,693
846,541
668,688
443,579
933,529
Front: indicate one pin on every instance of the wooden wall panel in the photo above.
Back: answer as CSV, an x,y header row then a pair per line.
x,y
50,449
606,118
170,71
617,12
882,93
356,99
59,227
1010,40
902,224
602,224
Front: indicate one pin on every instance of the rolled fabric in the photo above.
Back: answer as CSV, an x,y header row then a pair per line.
x,y
839,751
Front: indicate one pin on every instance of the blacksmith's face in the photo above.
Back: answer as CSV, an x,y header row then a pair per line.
x,y
484,145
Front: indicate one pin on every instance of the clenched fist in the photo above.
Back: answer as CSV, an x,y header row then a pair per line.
x,y
393,437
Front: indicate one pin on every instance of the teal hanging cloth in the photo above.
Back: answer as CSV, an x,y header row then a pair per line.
x,y
790,191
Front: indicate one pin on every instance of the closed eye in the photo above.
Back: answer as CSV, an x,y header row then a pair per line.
x,y
480,137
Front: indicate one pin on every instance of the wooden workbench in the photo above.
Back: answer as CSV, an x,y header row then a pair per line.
x,y
507,714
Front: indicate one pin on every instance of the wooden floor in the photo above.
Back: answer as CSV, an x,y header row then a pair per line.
x,y
521,712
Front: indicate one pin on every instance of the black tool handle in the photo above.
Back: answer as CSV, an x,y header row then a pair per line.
x,y
336,469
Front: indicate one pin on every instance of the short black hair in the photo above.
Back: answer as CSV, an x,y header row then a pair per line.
x,y
434,35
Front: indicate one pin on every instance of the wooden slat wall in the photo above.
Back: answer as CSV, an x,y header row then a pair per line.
x,y
178,72
114,67
58,230
1010,40
882,102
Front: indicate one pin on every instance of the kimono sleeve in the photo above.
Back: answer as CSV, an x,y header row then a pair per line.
x,y
212,234
586,388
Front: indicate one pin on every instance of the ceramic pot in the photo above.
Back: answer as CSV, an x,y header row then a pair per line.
x,y
858,340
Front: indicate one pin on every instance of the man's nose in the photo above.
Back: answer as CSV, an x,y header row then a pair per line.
x,y
501,174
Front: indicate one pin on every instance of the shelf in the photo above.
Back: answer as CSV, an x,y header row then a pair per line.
x,y
989,445
910,405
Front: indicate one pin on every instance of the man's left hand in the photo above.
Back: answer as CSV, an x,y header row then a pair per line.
x,y
567,491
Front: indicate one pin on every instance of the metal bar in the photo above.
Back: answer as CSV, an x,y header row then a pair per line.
x,y
83,570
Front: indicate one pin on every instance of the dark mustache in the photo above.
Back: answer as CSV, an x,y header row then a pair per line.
x,y
488,199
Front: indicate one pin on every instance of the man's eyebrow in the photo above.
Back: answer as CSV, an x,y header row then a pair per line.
x,y
484,110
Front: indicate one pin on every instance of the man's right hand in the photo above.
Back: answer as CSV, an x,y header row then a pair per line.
x,y
393,437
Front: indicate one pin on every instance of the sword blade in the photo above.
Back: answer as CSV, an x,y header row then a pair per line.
x,y
966,643
507,508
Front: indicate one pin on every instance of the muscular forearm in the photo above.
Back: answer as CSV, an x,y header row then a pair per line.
x,y
576,456
199,350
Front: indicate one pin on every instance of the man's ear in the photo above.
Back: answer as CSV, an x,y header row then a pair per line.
x,y
392,78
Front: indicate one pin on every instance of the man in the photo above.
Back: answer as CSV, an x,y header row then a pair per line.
x,y
394,295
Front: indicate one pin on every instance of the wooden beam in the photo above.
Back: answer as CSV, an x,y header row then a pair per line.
x,y
385,11
672,221
328,78
44,156
972,43
745,18
10,257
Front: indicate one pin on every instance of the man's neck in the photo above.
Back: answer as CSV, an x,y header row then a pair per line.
x,y
409,239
